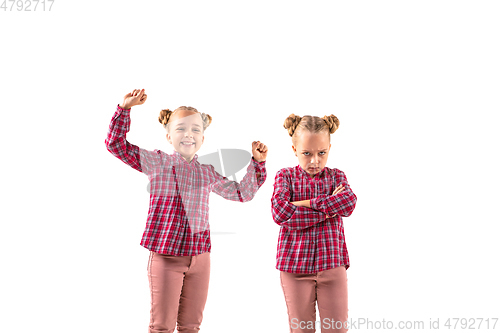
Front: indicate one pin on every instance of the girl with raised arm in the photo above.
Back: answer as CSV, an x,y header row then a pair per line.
x,y
177,232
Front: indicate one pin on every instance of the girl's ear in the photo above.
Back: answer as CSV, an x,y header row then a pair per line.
x,y
294,150
202,139
169,139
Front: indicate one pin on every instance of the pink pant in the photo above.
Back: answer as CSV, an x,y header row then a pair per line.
x,y
328,288
179,288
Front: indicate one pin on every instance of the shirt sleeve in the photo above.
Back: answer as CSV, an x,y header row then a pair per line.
x,y
342,203
116,142
247,188
286,214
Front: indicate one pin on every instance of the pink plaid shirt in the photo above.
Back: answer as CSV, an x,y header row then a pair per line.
x,y
310,242
177,222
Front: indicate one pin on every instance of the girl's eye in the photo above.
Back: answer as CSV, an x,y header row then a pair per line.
x,y
196,130
322,153
180,128
306,153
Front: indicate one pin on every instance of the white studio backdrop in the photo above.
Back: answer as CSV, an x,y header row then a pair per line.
x,y
414,85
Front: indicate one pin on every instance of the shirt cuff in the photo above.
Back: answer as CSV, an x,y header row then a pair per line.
x,y
118,107
263,163
314,203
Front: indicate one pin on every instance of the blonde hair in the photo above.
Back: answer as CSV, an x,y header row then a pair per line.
x,y
166,115
295,124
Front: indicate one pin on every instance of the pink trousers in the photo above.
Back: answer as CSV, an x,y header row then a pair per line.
x,y
179,288
302,291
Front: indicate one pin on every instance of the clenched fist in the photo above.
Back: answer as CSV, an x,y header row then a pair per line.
x,y
136,97
259,151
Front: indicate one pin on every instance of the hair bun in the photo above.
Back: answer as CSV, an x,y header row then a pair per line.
x,y
207,119
164,116
332,122
291,123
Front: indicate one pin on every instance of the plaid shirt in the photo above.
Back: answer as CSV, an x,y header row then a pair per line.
x,y
177,222
310,242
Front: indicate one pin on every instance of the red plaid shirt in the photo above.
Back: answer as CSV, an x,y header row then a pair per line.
x,y
310,242
177,222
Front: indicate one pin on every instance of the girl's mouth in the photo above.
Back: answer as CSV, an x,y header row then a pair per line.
x,y
187,143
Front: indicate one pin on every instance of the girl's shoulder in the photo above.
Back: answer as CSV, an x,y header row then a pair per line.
x,y
332,171
165,157
335,173
289,171
159,152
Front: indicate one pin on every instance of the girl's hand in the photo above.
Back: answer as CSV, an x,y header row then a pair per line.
x,y
339,189
259,151
136,97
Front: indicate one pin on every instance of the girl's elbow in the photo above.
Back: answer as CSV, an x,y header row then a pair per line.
x,y
109,145
113,151
277,217
354,199
283,223
246,198
350,210
348,213
113,148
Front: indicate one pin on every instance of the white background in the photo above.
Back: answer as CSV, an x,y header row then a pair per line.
x,y
415,85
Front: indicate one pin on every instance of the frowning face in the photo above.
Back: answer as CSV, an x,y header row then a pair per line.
x,y
186,133
312,150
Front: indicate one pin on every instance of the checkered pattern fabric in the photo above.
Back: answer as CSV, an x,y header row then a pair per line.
x,y
311,239
177,221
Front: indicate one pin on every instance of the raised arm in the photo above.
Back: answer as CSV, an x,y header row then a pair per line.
x,y
116,142
287,214
247,188
254,178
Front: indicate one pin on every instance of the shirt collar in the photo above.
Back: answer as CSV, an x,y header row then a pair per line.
x,y
179,157
305,174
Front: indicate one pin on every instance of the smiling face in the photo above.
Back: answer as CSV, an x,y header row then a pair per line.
x,y
185,133
312,150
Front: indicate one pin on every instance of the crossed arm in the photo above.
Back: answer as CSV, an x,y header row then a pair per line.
x,y
307,203
297,215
